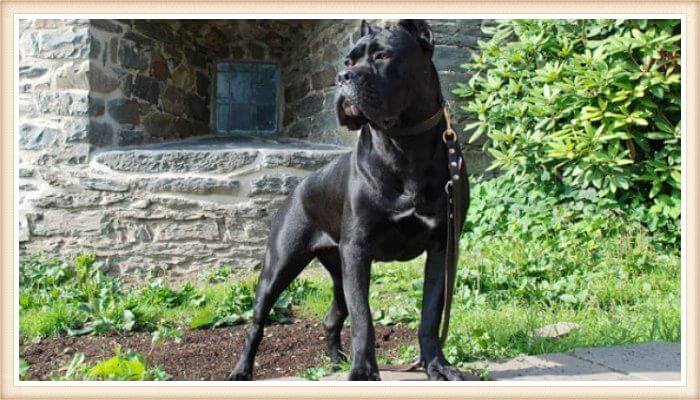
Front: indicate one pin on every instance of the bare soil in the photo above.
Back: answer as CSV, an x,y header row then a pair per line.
x,y
209,355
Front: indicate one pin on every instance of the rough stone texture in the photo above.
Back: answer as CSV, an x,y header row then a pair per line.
x,y
110,112
190,205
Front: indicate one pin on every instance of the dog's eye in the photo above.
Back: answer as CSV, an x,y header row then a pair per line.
x,y
348,62
382,55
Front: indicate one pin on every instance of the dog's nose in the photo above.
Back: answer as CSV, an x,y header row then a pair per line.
x,y
345,76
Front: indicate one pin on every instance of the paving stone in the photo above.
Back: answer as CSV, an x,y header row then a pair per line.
x,y
550,367
659,361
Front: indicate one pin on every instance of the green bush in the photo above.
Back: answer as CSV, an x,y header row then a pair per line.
x,y
587,104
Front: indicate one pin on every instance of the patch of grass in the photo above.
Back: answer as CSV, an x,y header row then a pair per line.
x,y
76,297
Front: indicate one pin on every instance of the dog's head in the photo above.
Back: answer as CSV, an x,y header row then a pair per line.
x,y
386,73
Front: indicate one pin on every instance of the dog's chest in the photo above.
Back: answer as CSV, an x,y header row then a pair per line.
x,y
418,207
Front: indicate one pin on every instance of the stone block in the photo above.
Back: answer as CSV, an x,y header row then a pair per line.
x,y
173,101
186,230
100,81
64,103
146,88
32,137
449,58
309,105
130,136
138,39
196,56
106,25
68,223
323,78
274,184
131,58
159,125
160,31
68,42
195,185
100,134
197,108
176,161
72,76
104,184
31,71
159,70
76,129
76,200
301,159
124,111
183,76
96,106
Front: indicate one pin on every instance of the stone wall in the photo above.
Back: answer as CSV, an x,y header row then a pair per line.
x,y
116,155
149,82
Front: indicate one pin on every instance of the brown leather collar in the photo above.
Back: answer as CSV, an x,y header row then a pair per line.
x,y
420,127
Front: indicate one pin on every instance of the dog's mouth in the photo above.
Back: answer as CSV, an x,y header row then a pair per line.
x,y
352,116
349,114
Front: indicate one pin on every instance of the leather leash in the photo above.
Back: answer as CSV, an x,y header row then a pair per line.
x,y
454,215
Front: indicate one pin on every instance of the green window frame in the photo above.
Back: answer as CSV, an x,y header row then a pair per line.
x,y
246,98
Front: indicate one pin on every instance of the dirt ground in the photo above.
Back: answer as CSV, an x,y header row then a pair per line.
x,y
208,355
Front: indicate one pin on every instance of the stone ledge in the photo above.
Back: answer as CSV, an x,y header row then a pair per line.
x,y
218,155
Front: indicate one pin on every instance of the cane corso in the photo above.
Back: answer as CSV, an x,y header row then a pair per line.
x,y
383,201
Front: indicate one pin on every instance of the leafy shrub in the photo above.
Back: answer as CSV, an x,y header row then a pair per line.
x,y
538,246
589,104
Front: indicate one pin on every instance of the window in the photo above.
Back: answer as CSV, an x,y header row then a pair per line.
x,y
246,98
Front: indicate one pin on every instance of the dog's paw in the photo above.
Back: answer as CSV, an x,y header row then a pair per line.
x,y
239,376
441,370
364,373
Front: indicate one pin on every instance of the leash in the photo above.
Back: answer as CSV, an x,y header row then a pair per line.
x,y
454,215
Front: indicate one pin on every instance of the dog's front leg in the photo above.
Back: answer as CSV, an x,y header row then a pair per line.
x,y
432,358
356,263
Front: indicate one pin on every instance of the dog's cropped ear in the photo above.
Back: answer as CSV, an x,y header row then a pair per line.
x,y
420,30
367,28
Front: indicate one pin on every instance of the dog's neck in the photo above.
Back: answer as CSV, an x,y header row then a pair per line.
x,y
405,157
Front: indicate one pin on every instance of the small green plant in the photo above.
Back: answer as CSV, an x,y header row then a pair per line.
x,y
129,366
221,273
163,333
75,370
23,368
316,373
237,305
121,367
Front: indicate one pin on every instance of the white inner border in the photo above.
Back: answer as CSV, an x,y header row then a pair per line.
x,y
684,203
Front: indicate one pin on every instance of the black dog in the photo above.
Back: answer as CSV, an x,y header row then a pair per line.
x,y
383,201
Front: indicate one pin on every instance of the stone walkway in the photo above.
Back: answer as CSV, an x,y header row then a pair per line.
x,y
658,361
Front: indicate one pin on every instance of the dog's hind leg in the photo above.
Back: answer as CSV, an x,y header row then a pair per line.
x,y
338,311
286,257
